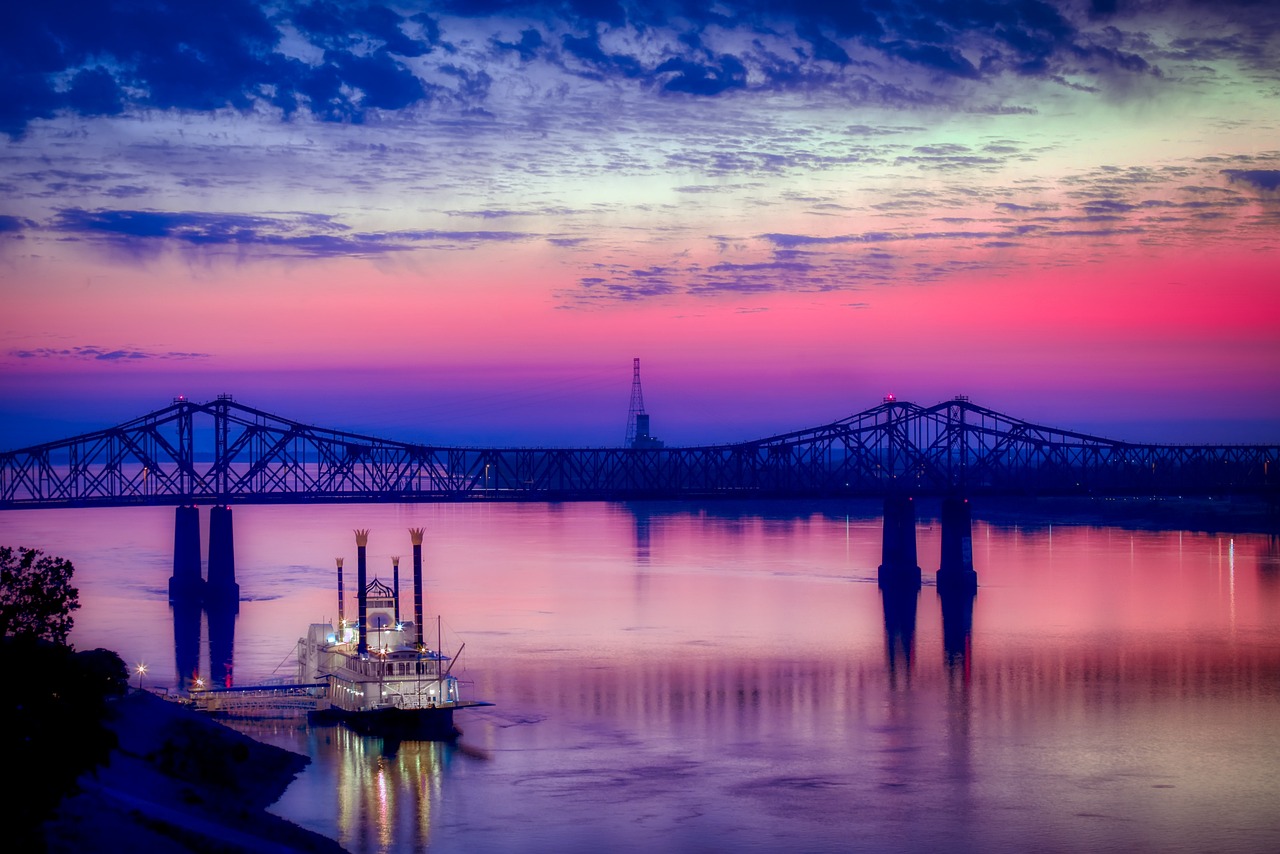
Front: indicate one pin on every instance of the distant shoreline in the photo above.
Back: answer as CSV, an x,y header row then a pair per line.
x,y
1243,515
1208,515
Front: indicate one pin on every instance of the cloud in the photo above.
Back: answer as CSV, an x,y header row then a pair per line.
x,y
104,354
302,234
916,241
14,224
1267,180
353,62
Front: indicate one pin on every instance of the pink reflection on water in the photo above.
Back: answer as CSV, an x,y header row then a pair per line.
x,y
725,677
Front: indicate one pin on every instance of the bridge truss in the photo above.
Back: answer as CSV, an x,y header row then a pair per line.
x,y
225,452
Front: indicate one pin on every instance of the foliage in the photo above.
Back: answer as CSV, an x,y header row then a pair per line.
x,y
103,671
53,725
36,596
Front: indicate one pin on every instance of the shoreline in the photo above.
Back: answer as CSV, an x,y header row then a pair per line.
x,y
178,781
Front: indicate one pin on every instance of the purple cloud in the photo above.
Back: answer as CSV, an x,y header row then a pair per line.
x,y
103,354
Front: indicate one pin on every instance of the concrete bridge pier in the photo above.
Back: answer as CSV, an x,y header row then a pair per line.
x,y
899,569
186,585
955,570
221,593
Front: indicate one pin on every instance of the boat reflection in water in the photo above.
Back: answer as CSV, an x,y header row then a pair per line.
x,y
368,793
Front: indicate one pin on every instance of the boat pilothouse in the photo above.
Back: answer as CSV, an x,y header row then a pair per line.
x,y
383,678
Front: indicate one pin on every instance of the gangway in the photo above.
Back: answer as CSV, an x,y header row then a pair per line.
x,y
263,701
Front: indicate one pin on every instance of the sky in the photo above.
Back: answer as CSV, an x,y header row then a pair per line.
x,y
459,222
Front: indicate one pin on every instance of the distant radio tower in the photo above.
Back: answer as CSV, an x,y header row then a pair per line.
x,y
636,415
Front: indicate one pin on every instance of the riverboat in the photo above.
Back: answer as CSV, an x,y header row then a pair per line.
x,y
383,679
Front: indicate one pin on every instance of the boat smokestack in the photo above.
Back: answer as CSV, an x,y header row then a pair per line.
x,y
395,585
362,599
342,621
415,534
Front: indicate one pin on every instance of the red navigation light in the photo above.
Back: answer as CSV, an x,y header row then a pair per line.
x,y
889,398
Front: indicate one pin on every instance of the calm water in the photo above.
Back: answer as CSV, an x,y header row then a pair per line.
x,y
728,678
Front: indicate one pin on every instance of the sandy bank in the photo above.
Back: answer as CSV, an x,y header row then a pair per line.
x,y
180,782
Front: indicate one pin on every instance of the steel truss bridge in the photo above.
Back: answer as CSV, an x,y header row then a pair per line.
x,y
228,453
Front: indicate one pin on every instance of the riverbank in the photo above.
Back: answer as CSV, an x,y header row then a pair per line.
x,y
180,782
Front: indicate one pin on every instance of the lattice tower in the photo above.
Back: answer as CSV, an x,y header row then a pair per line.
x,y
637,403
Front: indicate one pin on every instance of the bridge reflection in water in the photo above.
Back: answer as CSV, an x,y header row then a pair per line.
x,y
189,617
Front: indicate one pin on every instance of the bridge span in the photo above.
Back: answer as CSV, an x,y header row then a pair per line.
x,y
224,452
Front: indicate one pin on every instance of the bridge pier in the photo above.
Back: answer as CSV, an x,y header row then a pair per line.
x,y
186,585
955,569
221,592
899,569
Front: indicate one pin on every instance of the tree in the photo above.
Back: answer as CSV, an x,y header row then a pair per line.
x,y
53,726
36,596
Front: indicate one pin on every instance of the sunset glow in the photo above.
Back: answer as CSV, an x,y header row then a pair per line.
x,y
459,222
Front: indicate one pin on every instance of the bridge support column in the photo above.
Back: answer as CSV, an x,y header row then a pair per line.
x,y
955,570
899,569
222,593
186,585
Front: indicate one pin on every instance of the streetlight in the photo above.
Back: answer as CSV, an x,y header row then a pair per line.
x,y
141,670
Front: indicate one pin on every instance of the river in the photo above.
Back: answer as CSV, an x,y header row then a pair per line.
x,y
728,677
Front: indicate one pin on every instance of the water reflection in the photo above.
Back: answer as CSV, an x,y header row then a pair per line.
x,y
899,630
187,619
642,514
222,644
712,679
370,795
957,629
186,642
